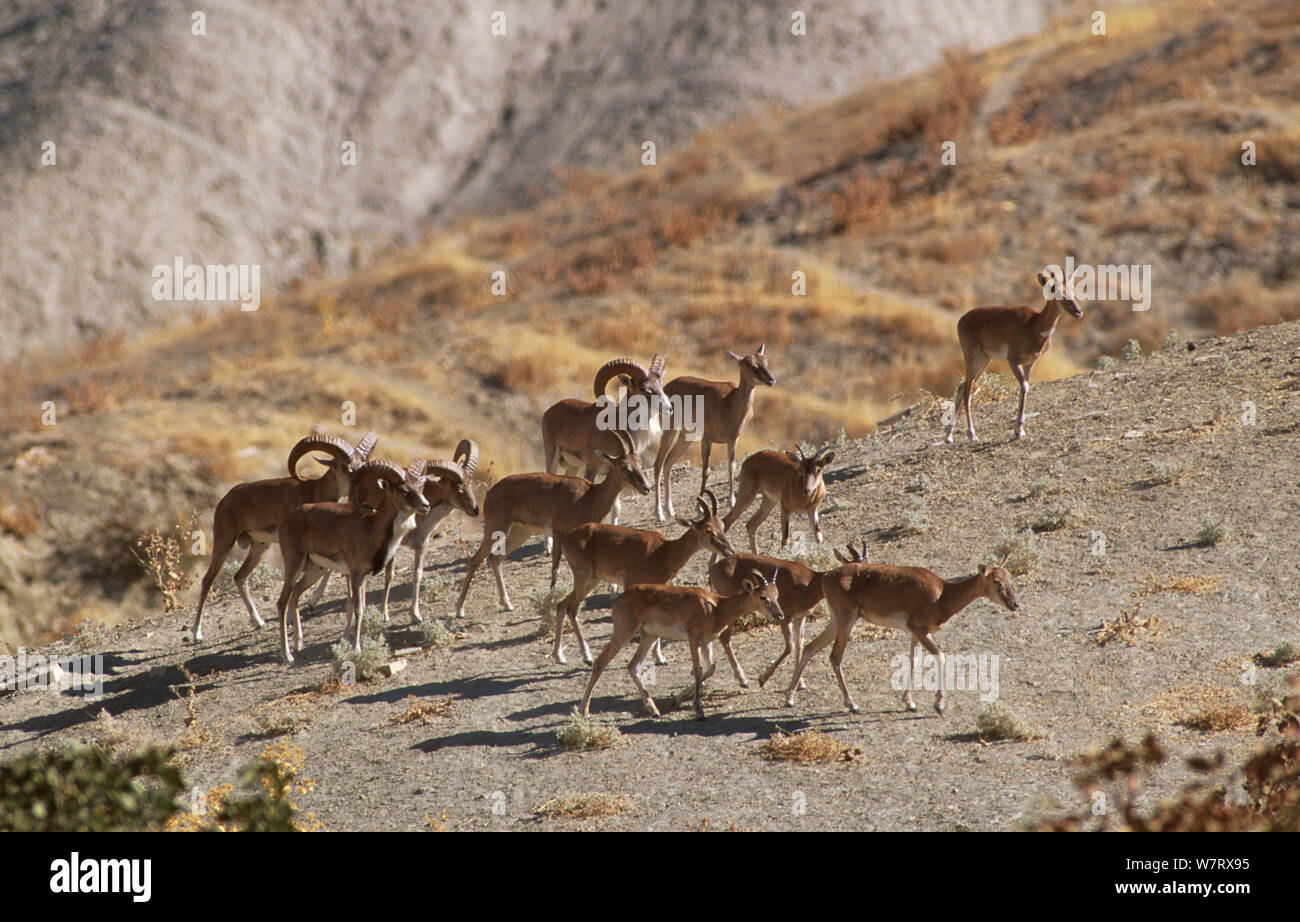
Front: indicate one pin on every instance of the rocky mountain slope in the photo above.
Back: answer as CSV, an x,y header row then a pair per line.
x,y
1149,516
222,141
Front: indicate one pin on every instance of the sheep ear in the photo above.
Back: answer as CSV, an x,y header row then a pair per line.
x,y
830,456
1042,278
792,456
762,348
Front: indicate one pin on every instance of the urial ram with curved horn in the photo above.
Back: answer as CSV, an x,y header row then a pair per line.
x,y
794,481
726,409
1018,334
911,599
448,485
575,432
628,556
358,537
551,504
251,513
678,613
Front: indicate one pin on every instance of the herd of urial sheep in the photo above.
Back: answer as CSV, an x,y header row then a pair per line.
x,y
387,507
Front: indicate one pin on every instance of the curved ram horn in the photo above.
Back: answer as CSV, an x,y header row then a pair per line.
x,y
340,449
415,472
373,470
446,469
624,366
467,456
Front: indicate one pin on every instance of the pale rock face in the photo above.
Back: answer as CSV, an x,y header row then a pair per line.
x,y
226,148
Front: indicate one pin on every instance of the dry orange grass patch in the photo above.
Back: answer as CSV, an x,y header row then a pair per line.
x,y
1186,584
811,747
571,807
1206,708
419,710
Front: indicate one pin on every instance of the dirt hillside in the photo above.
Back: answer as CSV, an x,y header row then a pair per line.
x,y
1155,500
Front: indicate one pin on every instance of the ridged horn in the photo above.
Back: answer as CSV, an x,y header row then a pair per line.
x,y
373,470
624,366
713,500
704,508
467,456
657,364
361,454
340,449
447,469
415,473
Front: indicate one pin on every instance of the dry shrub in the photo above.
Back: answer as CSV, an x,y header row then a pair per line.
x,y
392,315
1218,718
997,723
1243,303
691,162
861,202
1207,708
1020,122
525,372
164,559
1270,779
105,346
948,114
21,518
215,453
584,807
597,266
419,710
681,225
1098,186
811,747
582,733
1128,628
580,182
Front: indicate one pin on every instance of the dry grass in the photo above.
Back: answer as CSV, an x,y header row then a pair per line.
x,y
584,734
1187,584
810,747
574,807
420,710
1206,708
997,723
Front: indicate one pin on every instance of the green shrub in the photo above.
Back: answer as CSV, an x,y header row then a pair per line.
x,y
83,788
